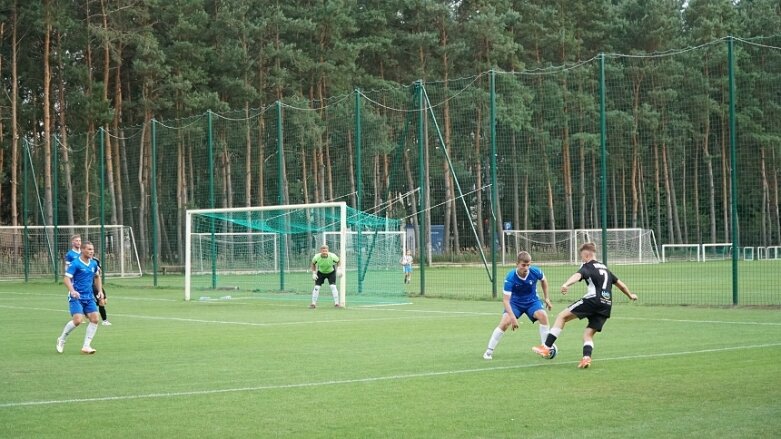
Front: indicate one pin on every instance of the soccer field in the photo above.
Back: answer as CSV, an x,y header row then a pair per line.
x,y
256,367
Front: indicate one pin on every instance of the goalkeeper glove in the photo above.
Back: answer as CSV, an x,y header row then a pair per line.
x,y
339,272
314,275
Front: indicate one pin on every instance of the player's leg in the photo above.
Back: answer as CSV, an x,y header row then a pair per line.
x,y
334,290
91,309
537,313
77,315
562,318
316,290
498,333
595,324
102,309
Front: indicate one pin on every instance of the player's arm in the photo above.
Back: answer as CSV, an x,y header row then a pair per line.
x,y
575,278
509,310
97,285
545,295
625,289
69,284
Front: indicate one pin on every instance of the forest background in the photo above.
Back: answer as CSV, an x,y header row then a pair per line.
x,y
71,70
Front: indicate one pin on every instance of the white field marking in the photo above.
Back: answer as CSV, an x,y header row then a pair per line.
x,y
227,322
64,294
398,377
700,321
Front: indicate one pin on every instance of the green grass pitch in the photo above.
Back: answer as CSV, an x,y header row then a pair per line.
x,y
253,367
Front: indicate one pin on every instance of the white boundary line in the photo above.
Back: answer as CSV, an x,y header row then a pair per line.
x,y
365,380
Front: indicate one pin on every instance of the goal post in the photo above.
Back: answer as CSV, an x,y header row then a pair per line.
x,y
38,251
624,245
681,252
279,220
265,250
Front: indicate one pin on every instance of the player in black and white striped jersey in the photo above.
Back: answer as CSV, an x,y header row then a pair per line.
x,y
595,305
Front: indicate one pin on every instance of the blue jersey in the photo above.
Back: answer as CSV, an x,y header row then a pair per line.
x,y
82,274
71,256
523,291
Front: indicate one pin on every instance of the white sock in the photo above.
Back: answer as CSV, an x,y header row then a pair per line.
x,y
555,331
315,293
92,328
335,293
543,333
69,327
495,338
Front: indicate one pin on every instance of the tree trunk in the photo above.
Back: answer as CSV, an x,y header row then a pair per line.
x,y
569,215
15,187
65,155
47,119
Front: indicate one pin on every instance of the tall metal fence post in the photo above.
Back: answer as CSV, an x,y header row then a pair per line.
x,y
153,189
733,169
210,153
25,212
55,208
421,184
103,134
603,155
281,194
494,185
359,188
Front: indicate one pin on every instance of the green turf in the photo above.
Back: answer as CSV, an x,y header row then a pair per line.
x,y
272,368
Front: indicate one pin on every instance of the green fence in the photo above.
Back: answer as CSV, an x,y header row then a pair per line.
x,y
679,150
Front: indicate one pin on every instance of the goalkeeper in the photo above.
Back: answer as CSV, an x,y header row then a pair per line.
x,y
325,265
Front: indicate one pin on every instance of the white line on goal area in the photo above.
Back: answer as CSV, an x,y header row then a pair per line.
x,y
397,377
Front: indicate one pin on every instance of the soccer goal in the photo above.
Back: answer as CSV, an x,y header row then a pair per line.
x,y
258,251
716,251
38,251
624,245
681,253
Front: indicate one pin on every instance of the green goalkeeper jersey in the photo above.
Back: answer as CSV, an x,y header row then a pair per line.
x,y
326,264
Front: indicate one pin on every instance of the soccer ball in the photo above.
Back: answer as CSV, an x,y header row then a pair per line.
x,y
553,351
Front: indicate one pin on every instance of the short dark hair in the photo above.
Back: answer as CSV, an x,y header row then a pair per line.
x,y
590,246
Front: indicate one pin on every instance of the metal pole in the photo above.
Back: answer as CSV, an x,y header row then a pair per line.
x,y
733,169
422,184
154,202
494,185
603,155
359,190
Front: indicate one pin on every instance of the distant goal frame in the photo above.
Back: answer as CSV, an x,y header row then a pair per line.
x,y
341,205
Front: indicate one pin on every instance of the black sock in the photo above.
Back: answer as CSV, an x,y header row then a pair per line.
x,y
587,350
550,340
102,310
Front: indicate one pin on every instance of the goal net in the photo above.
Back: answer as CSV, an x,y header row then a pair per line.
x,y
38,251
258,251
624,246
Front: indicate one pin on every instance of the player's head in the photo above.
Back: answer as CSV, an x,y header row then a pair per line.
x,y
523,262
76,241
324,250
587,251
88,250
409,252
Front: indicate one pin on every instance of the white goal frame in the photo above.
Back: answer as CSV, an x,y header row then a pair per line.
x,y
695,246
341,205
274,236
714,245
65,231
573,238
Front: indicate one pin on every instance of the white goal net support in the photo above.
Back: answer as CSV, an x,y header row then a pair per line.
x,y
269,249
39,251
624,246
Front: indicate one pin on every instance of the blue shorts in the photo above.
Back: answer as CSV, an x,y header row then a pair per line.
x,y
408,268
83,306
526,308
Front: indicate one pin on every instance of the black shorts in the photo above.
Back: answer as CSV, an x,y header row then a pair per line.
x,y
322,277
95,293
595,311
